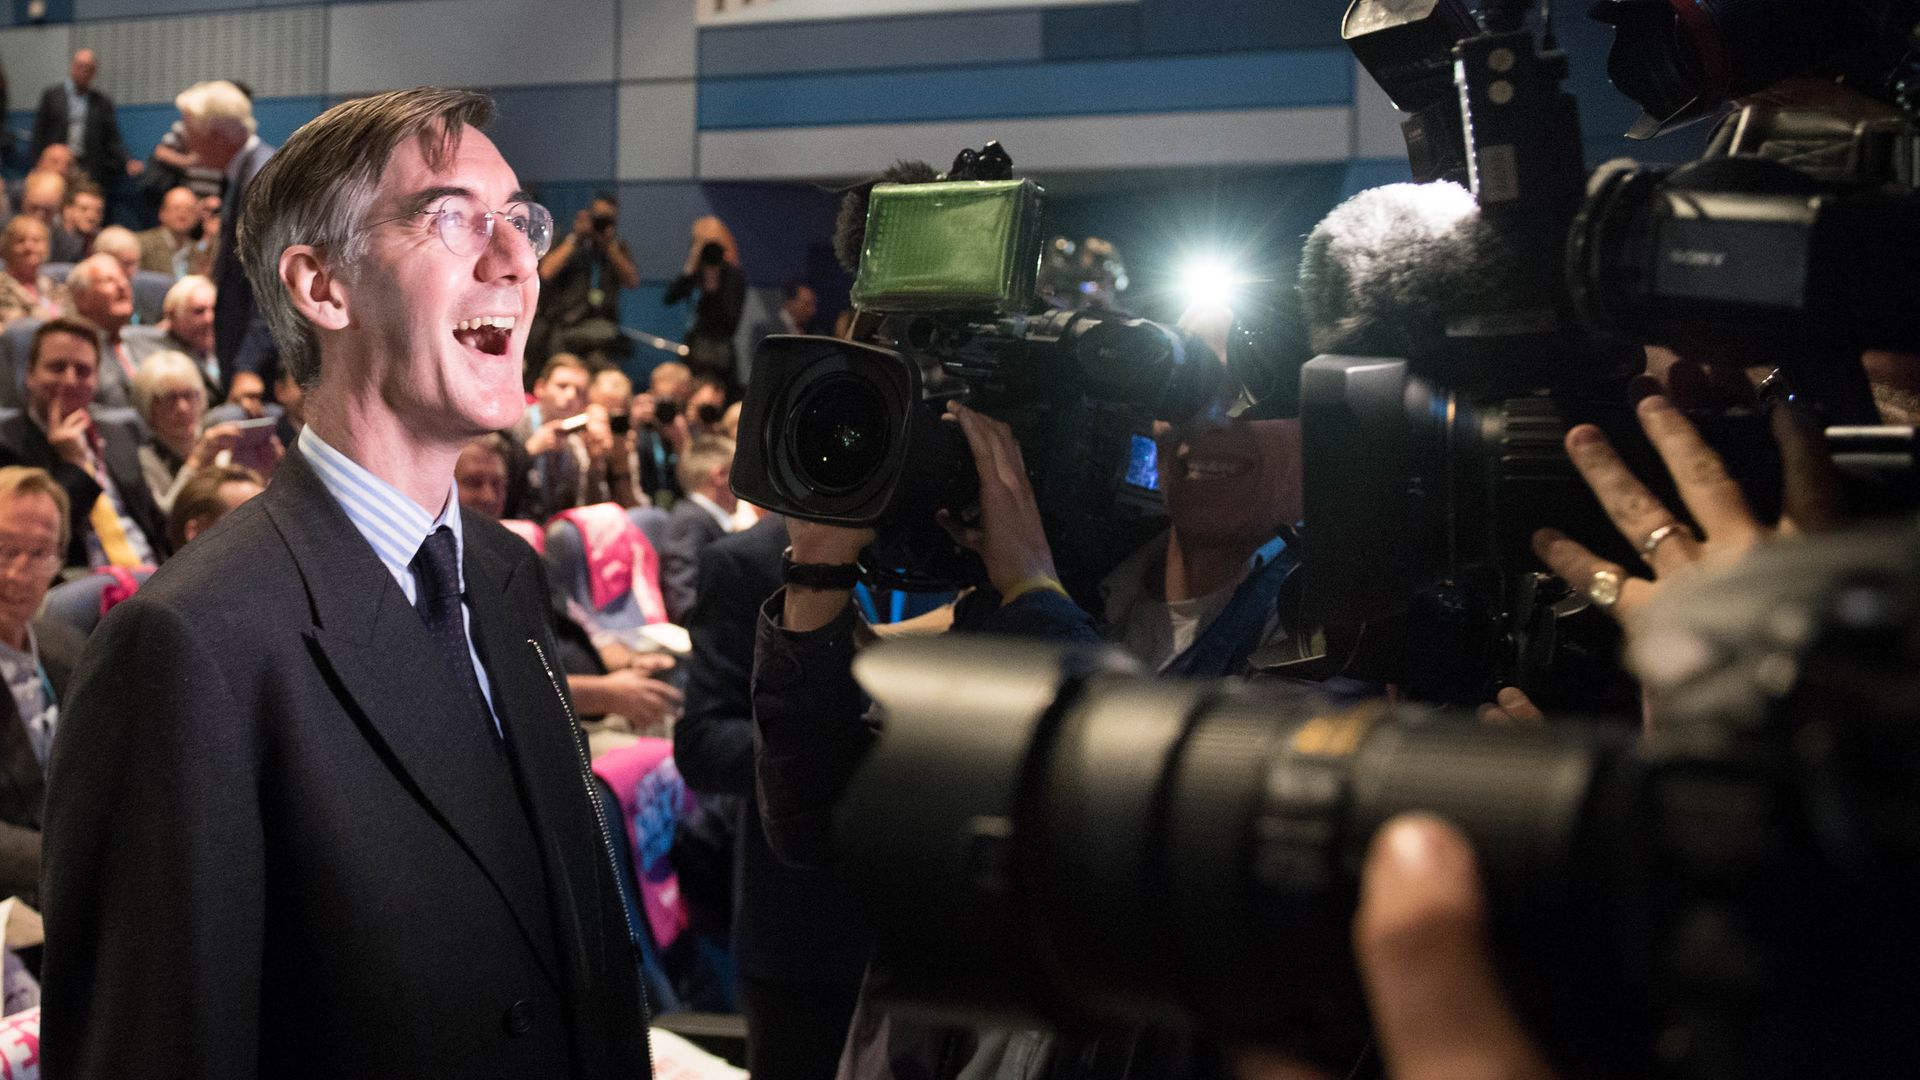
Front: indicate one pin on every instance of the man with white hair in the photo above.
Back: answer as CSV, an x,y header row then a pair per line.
x,y
186,327
119,242
220,133
103,297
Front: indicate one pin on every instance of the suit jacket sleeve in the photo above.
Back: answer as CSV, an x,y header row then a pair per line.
x,y
814,722
50,120
113,148
713,739
153,886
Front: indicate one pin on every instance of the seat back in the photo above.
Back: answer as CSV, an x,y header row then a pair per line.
x,y
150,295
16,341
76,603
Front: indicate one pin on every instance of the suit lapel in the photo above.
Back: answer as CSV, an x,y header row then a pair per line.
x,y
388,672
540,732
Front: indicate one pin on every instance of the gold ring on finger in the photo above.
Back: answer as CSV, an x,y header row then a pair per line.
x,y
1604,587
1657,536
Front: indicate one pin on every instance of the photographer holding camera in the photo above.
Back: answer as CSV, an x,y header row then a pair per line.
x,y
580,283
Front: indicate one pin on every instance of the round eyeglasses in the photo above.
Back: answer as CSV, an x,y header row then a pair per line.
x,y
465,224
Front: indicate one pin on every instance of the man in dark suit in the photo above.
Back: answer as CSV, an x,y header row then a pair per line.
x,y
798,935
220,132
74,113
702,515
339,821
93,454
36,659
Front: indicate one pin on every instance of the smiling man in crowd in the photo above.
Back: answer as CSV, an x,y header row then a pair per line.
x,y
340,822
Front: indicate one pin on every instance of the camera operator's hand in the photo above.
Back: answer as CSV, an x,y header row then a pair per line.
x,y
545,438
1009,539
829,545
1420,935
583,224
1714,499
1511,706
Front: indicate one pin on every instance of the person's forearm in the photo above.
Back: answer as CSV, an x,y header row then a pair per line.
x,y
594,695
623,267
806,609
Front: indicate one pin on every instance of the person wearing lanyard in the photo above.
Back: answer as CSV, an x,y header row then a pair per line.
x,y
36,658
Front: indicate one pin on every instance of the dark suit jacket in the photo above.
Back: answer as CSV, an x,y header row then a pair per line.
x,y
240,336
23,788
276,846
789,924
101,152
23,443
689,530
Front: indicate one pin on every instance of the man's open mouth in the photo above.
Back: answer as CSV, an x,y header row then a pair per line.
x,y
489,334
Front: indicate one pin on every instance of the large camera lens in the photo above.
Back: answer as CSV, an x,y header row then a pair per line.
x,y
840,434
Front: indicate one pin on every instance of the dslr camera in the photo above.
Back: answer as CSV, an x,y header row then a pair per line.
x,y
850,432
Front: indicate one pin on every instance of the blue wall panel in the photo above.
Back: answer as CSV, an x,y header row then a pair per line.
x,y
1091,33
934,40
278,118
1219,26
1170,84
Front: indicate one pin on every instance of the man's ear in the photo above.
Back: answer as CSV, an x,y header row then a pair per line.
x,y
317,292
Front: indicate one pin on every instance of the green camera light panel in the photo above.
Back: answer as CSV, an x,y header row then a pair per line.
x,y
970,245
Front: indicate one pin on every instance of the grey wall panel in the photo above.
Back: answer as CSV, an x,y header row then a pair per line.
x,y
555,132
469,43
121,9
149,61
36,58
657,39
1234,137
656,131
944,40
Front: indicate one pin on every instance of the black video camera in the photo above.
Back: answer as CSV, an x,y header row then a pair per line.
x,y
850,433
1731,897
1431,456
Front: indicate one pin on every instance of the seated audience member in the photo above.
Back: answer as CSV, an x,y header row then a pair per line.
x,y
703,516
598,687
247,394
42,195
119,242
187,328
102,296
552,469
112,519
55,161
36,657
80,218
26,293
171,246
206,497
170,397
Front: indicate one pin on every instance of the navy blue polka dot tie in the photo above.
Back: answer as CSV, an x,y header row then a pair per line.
x,y
436,575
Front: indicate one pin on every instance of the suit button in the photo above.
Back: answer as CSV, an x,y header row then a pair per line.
x,y
519,1018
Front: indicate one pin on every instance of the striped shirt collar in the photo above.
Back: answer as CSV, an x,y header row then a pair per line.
x,y
392,523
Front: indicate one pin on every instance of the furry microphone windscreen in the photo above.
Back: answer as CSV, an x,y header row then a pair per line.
x,y
1398,270
850,230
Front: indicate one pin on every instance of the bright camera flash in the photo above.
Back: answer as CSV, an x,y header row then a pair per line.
x,y
1211,280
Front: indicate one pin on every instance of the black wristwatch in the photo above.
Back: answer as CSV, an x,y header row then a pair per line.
x,y
818,575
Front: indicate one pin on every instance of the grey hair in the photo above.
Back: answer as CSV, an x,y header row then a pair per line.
x,y
80,277
317,191
180,291
156,371
218,104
